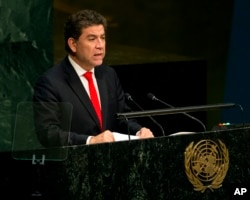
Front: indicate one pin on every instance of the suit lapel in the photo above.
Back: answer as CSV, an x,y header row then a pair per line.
x,y
102,86
76,85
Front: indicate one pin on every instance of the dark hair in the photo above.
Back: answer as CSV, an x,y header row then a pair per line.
x,y
82,19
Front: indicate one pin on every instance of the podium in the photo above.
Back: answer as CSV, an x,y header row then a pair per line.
x,y
198,165
157,168
206,165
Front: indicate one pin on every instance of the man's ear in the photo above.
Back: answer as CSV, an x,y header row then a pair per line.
x,y
72,44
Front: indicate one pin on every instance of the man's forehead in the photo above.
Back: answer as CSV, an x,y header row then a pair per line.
x,y
94,30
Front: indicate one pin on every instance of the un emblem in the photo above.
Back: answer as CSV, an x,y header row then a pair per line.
x,y
206,164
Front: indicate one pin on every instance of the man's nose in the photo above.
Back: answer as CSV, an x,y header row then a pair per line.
x,y
100,43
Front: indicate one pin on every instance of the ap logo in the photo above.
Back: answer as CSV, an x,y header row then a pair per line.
x,y
240,193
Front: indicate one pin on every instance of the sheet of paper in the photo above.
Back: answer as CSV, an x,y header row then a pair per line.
x,y
181,133
124,137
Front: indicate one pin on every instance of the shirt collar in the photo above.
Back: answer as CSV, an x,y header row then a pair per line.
x,y
79,70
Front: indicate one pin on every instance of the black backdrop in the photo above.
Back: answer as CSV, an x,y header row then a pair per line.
x,y
180,83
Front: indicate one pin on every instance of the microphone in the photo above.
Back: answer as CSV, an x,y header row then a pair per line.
x,y
154,98
129,98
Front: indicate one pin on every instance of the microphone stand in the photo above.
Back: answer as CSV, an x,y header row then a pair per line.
x,y
175,110
152,97
129,97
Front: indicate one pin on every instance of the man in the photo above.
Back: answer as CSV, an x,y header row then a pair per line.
x,y
85,42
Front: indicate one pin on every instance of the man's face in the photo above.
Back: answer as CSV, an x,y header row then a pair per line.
x,y
89,49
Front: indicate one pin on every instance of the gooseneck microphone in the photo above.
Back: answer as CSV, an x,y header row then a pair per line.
x,y
129,98
154,98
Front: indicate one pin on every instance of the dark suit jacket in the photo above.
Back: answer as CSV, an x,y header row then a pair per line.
x,y
61,84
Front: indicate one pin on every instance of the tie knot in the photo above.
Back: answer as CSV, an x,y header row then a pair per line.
x,y
88,76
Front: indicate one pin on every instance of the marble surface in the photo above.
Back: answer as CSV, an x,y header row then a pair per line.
x,y
150,169
25,51
137,169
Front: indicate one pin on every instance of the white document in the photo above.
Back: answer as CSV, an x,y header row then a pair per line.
x,y
181,133
124,137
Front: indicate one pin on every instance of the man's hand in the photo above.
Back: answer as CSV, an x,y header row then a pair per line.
x,y
106,136
145,133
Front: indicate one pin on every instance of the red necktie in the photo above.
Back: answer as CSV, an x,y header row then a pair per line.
x,y
93,96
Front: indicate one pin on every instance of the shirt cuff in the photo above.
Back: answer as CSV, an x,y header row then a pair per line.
x,y
88,139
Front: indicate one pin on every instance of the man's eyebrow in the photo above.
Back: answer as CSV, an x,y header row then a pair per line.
x,y
91,35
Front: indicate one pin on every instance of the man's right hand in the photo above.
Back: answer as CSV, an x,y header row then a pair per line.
x,y
106,136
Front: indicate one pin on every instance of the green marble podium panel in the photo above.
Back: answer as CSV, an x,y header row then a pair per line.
x,y
155,168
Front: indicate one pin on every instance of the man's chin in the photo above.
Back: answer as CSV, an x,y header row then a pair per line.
x,y
97,63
